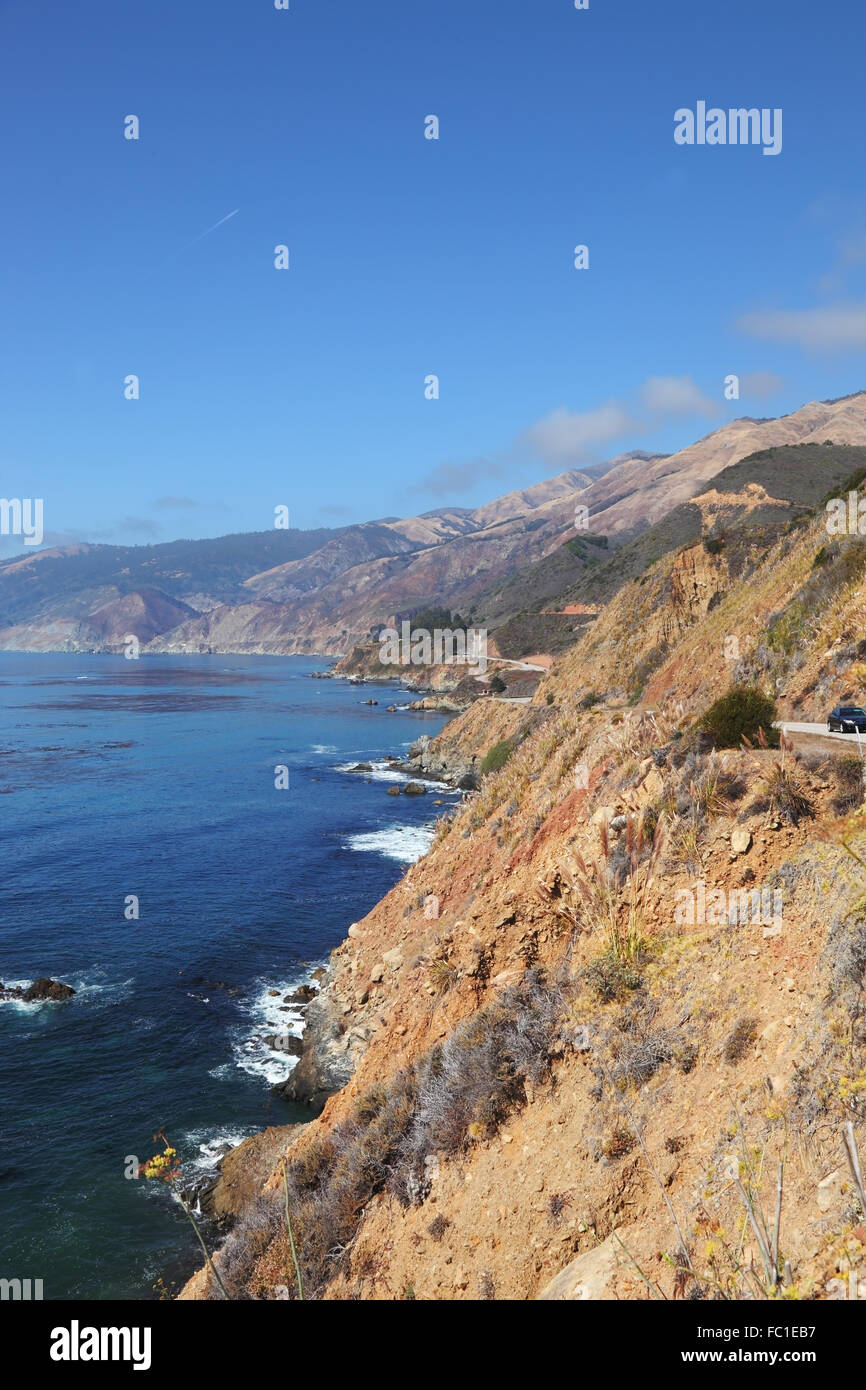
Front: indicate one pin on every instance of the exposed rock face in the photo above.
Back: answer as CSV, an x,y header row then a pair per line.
x,y
326,1062
243,1171
430,759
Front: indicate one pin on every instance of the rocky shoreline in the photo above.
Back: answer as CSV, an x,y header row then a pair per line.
x,y
329,1050
336,1032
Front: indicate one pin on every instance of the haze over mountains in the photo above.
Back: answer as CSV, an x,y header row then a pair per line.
x,y
320,591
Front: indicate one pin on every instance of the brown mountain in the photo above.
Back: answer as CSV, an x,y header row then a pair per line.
x,y
322,591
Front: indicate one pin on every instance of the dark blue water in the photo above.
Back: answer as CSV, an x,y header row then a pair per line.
x,y
155,778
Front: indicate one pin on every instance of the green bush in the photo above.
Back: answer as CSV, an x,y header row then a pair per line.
x,y
742,712
714,545
497,756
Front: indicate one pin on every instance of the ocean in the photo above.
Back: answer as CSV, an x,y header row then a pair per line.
x,y
155,780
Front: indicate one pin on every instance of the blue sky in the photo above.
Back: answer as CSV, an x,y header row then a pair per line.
x,y
408,256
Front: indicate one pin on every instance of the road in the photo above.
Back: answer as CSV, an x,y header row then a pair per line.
x,y
809,731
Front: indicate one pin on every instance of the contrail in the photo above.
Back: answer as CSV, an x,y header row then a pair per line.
x,y
227,217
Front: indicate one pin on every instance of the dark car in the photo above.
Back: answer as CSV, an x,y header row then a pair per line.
x,y
846,719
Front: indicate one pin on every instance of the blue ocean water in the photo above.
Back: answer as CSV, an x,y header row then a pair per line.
x,y
155,778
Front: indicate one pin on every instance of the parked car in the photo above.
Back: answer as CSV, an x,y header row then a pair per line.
x,y
846,719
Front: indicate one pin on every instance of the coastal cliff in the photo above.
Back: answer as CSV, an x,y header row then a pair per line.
x,y
565,1056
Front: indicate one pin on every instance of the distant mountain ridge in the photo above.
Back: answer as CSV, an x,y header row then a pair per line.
x,y
321,591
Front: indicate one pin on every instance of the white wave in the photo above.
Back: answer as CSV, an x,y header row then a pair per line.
x,y
18,1005
405,843
379,771
267,1012
324,748
383,771
210,1146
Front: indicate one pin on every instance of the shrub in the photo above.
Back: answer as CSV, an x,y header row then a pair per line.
x,y
714,545
739,714
443,974
497,756
557,1203
639,1048
438,1226
618,1143
497,684
472,1081
611,978
847,773
785,792
740,1039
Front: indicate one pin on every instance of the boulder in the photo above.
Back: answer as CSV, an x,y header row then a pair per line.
x,y
415,789
393,791
741,840
589,1278
44,988
303,995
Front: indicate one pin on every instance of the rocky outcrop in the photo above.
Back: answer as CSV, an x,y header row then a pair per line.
x,y
427,758
242,1172
42,989
326,1059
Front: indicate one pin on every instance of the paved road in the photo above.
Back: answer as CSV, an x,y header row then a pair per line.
x,y
819,730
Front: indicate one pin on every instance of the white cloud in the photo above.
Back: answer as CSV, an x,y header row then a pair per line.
x,y
567,436
831,329
676,395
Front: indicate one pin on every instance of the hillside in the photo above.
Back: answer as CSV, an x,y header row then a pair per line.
x,y
791,477
577,1075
